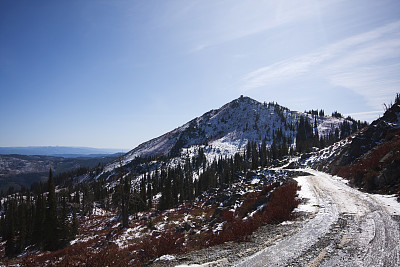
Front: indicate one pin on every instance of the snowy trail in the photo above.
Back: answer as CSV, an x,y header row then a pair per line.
x,y
350,228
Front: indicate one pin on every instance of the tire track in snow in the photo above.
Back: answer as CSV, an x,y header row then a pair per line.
x,y
372,236
282,252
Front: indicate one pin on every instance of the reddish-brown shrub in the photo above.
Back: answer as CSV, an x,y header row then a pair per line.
x,y
281,204
166,243
251,199
279,208
363,172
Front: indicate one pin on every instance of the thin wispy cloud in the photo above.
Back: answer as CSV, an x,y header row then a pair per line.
x,y
366,116
361,63
240,19
283,70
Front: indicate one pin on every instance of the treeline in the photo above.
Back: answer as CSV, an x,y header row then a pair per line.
x,y
316,112
176,184
308,137
44,221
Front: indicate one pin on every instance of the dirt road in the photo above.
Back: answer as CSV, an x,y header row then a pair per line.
x,y
350,228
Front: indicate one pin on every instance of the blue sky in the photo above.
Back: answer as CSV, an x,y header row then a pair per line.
x,y
118,73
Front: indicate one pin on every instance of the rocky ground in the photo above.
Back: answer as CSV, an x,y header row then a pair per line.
x,y
231,252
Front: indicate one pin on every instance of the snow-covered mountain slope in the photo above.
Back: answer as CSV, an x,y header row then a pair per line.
x,y
227,130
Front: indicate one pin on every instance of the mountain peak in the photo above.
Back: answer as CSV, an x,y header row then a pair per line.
x,y
227,130
244,99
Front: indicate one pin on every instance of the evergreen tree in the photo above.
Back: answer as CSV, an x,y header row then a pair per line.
x,y
75,224
38,222
87,200
166,200
10,248
125,201
149,196
304,136
3,226
143,189
254,156
51,237
263,153
188,182
22,226
65,230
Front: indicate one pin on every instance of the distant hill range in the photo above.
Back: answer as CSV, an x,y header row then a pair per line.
x,y
23,170
58,151
22,166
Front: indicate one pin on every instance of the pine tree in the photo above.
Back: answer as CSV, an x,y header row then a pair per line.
x,y
75,224
3,226
51,237
304,136
166,193
263,153
10,244
38,222
65,230
10,248
125,201
87,200
22,226
143,193
248,150
29,218
149,196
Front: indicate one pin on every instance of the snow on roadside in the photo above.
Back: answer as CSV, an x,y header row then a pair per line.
x,y
389,202
221,262
306,192
166,257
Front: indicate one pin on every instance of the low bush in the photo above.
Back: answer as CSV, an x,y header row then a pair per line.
x,y
279,208
363,172
283,201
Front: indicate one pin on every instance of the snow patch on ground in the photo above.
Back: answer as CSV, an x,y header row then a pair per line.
x,y
165,258
97,211
130,234
326,153
221,262
80,240
389,202
310,202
